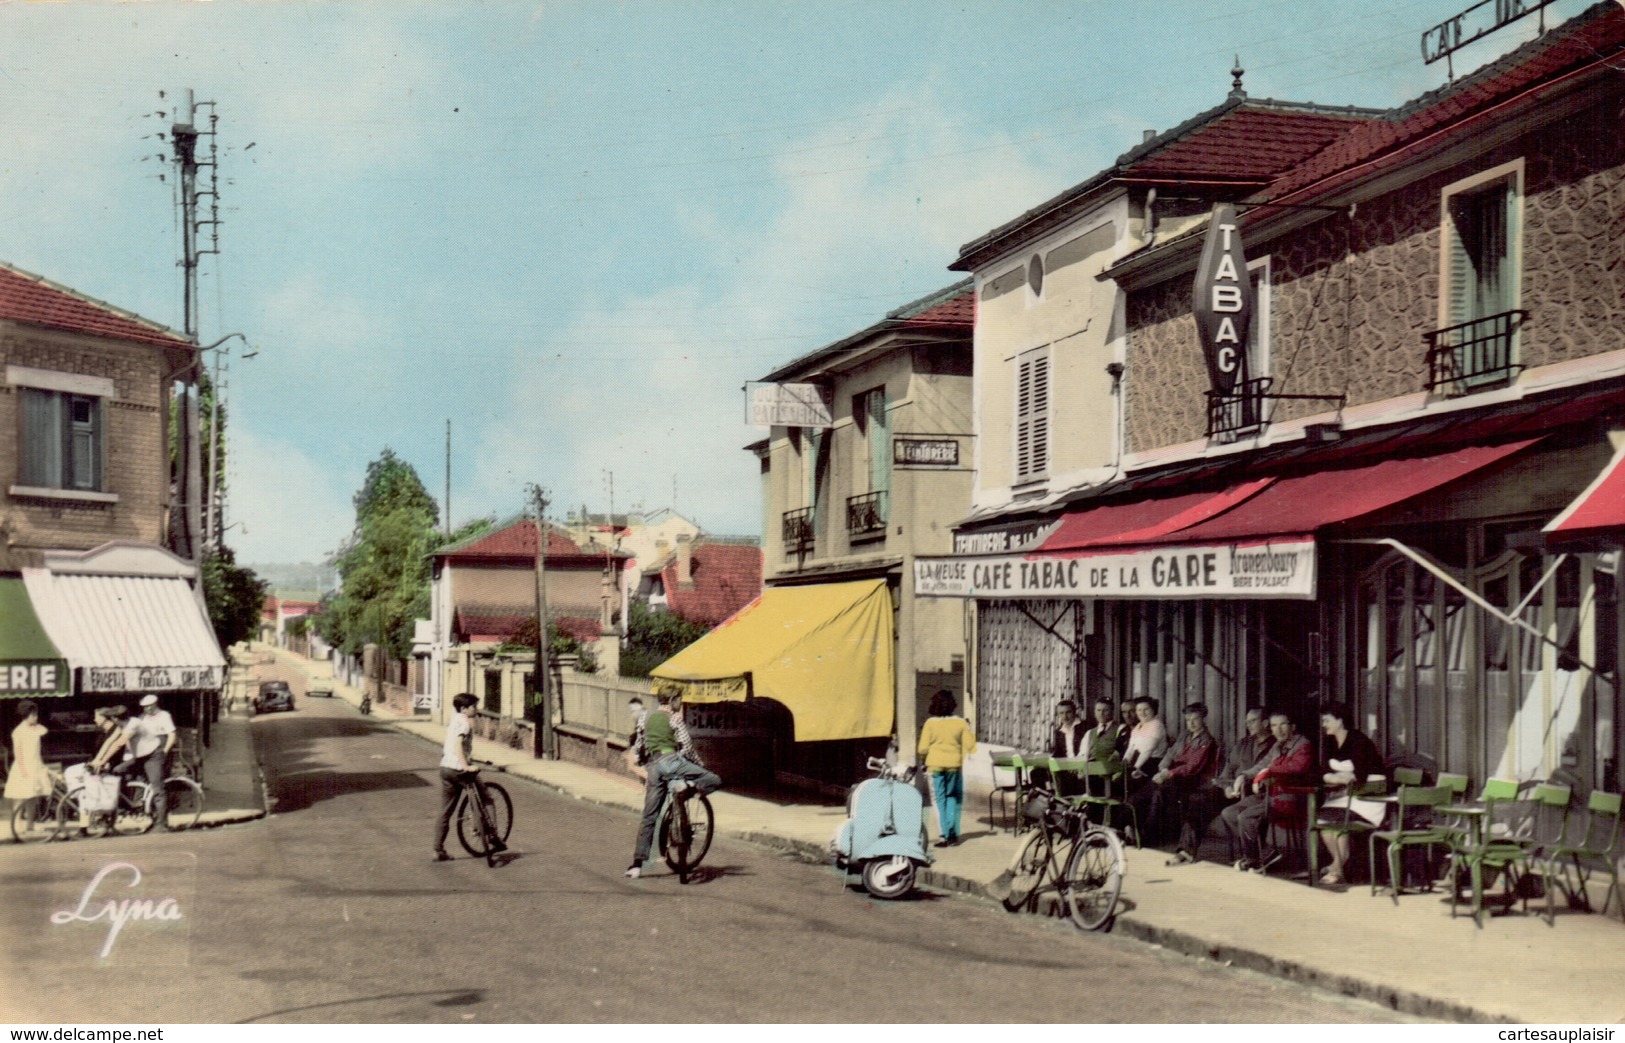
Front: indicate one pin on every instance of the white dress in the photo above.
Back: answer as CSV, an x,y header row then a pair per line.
x,y
28,777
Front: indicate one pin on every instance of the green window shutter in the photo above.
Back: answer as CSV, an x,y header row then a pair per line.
x,y
879,424
42,439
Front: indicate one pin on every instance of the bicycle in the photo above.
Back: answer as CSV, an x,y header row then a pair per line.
x,y
1082,861
133,815
481,821
41,819
684,829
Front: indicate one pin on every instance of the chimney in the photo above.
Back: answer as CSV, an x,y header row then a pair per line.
x,y
1147,135
685,564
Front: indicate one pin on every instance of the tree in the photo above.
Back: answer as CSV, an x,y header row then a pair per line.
x,y
384,567
654,637
234,595
524,640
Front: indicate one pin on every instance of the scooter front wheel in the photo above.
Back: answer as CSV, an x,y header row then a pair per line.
x,y
889,878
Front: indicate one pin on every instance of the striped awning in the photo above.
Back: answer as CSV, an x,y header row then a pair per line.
x,y
127,619
30,664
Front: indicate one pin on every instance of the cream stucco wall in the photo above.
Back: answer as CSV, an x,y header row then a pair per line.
x,y
1077,316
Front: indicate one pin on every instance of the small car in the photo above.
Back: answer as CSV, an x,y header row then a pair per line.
x,y
273,696
320,693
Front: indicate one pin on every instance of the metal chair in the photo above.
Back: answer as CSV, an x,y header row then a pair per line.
x,y
1012,763
1106,774
1347,825
1599,845
1415,809
1489,853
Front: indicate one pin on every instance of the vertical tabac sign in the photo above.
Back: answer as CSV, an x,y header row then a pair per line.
x,y
1224,301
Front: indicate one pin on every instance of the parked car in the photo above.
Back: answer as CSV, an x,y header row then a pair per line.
x,y
273,696
320,693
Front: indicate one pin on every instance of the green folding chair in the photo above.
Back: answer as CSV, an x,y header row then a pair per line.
x,y
1415,808
1098,779
1342,822
1409,776
1508,854
1597,850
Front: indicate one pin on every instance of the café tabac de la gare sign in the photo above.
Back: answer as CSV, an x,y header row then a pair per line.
x,y
1224,301
1281,569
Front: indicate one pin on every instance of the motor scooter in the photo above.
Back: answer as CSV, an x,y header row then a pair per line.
x,y
883,837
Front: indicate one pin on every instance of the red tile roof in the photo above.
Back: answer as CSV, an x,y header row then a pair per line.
x,y
725,578
517,539
1593,38
959,311
30,299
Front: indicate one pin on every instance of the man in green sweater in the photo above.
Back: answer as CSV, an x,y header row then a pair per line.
x,y
669,755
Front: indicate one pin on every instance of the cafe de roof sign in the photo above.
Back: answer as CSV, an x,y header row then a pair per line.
x,y
1223,303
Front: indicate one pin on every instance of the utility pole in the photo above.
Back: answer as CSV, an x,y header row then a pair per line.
x,y
545,742
448,478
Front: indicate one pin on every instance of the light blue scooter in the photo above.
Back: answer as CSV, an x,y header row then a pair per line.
x,y
883,836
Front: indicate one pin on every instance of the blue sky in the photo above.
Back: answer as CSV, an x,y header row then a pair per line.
x,y
576,229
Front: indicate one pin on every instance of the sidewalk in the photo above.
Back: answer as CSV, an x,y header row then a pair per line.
x,y
1411,957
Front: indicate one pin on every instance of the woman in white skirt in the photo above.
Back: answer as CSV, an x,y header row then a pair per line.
x,y
28,779
1350,757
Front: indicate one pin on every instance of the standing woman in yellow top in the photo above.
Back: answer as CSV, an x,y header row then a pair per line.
x,y
944,743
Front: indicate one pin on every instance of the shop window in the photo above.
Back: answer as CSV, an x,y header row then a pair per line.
x,y
61,440
1032,415
1476,344
867,512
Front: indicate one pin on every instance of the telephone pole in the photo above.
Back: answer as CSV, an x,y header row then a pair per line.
x,y
545,742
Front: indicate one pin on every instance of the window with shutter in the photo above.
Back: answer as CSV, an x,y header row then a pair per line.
x,y
1479,277
61,440
1032,415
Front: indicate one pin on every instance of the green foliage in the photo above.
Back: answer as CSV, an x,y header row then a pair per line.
x,y
524,640
234,595
298,626
384,567
654,637
473,528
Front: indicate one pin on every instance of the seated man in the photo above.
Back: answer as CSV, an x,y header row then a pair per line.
x,y
1189,764
1247,820
1066,743
1248,755
1100,741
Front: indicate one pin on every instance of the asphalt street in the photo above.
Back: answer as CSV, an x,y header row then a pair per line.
x,y
332,910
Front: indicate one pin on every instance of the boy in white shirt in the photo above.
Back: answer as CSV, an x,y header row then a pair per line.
x,y
456,770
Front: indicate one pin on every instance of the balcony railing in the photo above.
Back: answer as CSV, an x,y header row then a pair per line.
x,y
798,530
1237,411
866,515
1473,354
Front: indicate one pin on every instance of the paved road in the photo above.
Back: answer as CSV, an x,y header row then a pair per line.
x,y
332,911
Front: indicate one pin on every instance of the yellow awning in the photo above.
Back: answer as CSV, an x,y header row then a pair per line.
x,y
824,651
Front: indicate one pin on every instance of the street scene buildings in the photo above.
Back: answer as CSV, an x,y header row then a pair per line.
x,y
1248,517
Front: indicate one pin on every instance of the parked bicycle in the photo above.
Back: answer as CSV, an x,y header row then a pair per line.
x,y
684,829
481,821
61,814
1080,861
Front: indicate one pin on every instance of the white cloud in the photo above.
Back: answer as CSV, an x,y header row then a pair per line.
x,y
288,503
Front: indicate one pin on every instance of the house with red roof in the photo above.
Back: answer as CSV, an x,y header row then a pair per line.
x,y
1369,412
703,580
97,607
483,589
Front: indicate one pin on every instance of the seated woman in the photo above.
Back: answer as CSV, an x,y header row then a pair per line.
x,y
1349,757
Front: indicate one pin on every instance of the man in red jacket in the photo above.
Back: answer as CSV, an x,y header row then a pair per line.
x,y
1292,759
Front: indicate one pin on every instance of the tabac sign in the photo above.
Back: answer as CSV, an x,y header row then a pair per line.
x,y
1224,301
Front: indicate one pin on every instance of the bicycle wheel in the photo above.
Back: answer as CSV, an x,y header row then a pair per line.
x,y
185,801
36,821
133,817
677,836
1093,879
1027,871
470,832
97,823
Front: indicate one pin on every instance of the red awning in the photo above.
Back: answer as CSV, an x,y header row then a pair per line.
x,y
1600,509
1144,521
1271,507
1302,505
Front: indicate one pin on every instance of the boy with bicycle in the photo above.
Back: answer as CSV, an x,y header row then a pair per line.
x,y
456,771
669,757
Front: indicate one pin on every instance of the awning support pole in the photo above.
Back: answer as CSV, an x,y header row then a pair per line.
x,y
1444,576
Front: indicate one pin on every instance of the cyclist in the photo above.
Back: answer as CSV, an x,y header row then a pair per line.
x,y
149,738
456,772
669,756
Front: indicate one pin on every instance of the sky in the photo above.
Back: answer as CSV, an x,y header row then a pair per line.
x,y
576,230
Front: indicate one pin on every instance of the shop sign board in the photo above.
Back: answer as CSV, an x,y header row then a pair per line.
x,y
1271,570
788,405
917,452
148,678
1223,304
727,720
33,677
1011,539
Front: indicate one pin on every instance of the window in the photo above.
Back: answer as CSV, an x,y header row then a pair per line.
x,y
1032,415
1245,408
62,440
493,692
866,513
1479,281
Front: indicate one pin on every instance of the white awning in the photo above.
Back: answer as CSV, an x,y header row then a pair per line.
x,y
141,628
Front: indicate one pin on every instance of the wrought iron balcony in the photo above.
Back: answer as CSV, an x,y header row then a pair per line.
x,y
1238,411
1475,354
866,515
798,530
